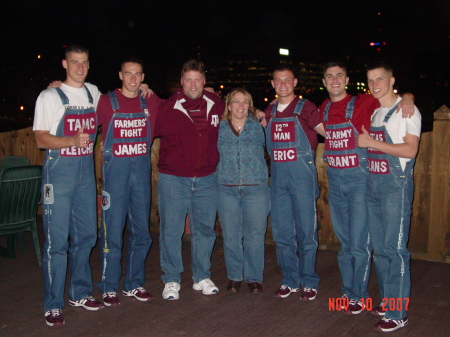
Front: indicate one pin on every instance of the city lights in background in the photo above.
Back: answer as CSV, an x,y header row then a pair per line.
x,y
284,51
39,56
22,108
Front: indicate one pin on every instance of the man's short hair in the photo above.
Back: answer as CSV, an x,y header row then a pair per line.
x,y
283,68
132,59
193,65
380,64
76,48
332,64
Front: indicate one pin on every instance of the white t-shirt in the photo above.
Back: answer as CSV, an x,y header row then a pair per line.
x,y
49,108
397,126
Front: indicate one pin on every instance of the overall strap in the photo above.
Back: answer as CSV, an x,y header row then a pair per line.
x,y
325,112
62,95
113,99
143,101
390,113
299,106
91,100
350,108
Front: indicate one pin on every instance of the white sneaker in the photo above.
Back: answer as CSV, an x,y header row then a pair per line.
x,y
171,290
206,286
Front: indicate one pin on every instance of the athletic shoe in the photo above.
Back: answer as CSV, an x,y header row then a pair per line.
x,y
354,308
388,325
89,303
171,290
110,299
379,310
308,294
138,293
206,286
285,291
54,317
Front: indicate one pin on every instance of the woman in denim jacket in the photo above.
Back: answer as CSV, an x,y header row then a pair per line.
x,y
244,201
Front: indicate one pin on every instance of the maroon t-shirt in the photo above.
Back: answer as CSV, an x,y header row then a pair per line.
x,y
309,118
365,104
126,105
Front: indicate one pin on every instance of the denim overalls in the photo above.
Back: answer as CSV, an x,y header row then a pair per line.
x,y
126,191
293,191
68,193
389,199
347,179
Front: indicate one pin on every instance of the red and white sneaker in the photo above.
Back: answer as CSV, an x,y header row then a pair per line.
x,y
138,293
285,291
308,294
54,317
388,325
379,311
110,299
354,308
89,303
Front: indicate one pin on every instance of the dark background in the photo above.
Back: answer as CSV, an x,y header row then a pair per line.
x,y
167,33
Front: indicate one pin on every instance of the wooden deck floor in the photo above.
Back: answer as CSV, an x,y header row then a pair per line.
x,y
224,314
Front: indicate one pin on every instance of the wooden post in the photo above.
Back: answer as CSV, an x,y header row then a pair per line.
x,y
438,238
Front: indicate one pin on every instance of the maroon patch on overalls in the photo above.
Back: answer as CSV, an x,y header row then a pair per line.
x,y
340,139
283,131
130,149
377,135
72,123
343,160
284,155
130,127
378,166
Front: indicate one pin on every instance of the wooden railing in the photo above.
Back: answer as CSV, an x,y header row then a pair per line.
x,y
430,223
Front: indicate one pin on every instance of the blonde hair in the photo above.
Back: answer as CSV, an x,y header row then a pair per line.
x,y
229,98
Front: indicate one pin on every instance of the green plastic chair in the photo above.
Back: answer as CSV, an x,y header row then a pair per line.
x,y
13,161
19,198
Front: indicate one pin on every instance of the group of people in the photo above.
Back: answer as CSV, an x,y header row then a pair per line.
x,y
212,159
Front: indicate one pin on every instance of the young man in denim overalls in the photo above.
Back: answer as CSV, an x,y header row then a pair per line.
x,y
392,145
65,125
126,118
291,139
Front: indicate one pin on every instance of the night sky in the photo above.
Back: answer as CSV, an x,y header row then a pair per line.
x,y
167,33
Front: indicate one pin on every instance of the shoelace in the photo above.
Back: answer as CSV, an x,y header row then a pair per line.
x,y
55,312
396,321
86,299
110,294
139,289
171,285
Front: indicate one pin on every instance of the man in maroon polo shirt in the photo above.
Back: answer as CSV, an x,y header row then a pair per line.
x,y
188,127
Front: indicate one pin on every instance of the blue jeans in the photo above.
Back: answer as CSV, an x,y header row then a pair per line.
x,y
70,227
293,194
127,181
389,200
197,197
347,198
243,212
